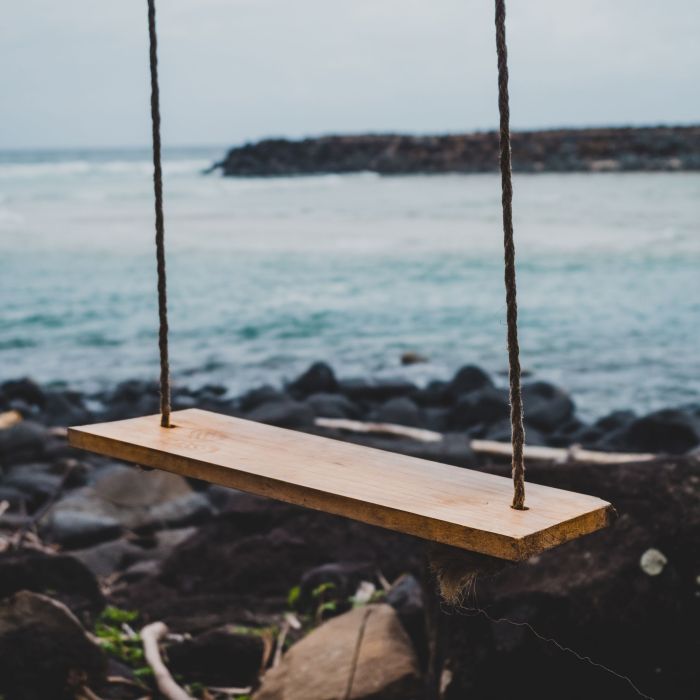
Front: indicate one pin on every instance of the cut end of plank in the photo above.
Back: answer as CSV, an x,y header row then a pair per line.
x,y
438,502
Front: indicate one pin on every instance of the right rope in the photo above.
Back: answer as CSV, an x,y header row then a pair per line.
x,y
516,399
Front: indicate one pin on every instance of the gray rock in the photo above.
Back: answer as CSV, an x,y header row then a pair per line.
x,y
546,406
80,528
107,558
333,406
44,651
25,441
135,500
285,414
375,389
400,410
259,396
487,405
317,379
319,666
467,379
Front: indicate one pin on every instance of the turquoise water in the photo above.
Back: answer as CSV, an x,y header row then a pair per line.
x,y
266,276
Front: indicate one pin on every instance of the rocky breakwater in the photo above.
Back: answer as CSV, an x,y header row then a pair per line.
x,y
270,599
559,150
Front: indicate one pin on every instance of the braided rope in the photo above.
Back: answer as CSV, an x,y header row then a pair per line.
x,y
160,227
516,400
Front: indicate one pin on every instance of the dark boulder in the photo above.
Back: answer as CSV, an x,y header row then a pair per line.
x,y
487,405
333,406
257,397
400,410
284,414
64,408
59,575
376,389
220,657
317,379
546,406
467,379
24,390
406,597
501,432
435,394
25,441
669,431
77,529
44,651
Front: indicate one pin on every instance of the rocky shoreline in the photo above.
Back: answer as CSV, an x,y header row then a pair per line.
x,y
628,149
90,545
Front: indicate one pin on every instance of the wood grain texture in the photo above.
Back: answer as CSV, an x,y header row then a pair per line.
x,y
438,502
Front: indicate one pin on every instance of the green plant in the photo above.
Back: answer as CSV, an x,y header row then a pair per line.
x,y
114,640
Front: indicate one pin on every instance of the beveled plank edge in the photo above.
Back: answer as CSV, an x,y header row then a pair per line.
x,y
444,532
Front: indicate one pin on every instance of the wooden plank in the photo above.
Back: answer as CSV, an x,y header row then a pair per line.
x,y
437,502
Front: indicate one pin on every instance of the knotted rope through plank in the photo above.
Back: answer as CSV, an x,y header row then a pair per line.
x,y
516,399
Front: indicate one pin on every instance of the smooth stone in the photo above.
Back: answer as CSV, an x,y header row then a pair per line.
x,y
44,650
487,405
25,389
75,529
61,575
375,389
317,379
262,395
400,410
23,442
284,414
669,431
546,407
467,379
135,500
319,666
333,406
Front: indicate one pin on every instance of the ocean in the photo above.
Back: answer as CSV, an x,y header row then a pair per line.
x,y
268,275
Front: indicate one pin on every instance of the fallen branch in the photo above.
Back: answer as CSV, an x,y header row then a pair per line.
x,y
492,448
575,453
356,426
150,636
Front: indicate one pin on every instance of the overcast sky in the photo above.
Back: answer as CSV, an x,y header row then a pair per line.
x,y
74,72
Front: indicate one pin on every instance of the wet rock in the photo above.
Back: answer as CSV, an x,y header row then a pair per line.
x,y
333,406
487,405
25,390
134,500
262,395
400,410
469,378
26,441
64,577
107,558
44,651
220,657
64,408
669,431
435,394
16,498
614,421
436,419
284,414
79,528
319,666
375,389
319,378
546,406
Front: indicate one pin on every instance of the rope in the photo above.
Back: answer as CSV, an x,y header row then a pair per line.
x,y
516,401
160,228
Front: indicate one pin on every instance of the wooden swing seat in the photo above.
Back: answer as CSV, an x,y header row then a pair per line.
x,y
438,502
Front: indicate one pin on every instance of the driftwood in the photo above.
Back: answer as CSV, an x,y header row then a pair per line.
x,y
9,418
150,636
491,448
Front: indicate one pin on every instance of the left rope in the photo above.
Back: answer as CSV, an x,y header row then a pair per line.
x,y
160,226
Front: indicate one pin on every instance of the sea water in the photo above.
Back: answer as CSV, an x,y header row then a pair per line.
x,y
268,275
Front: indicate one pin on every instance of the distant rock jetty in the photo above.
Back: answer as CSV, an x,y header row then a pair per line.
x,y
560,150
